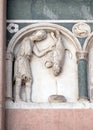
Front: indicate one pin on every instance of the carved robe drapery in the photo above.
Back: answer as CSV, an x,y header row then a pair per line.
x,y
22,63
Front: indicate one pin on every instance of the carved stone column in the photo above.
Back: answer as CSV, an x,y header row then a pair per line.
x,y
9,60
82,74
2,60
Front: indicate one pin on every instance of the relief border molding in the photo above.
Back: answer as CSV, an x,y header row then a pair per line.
x,y
26,30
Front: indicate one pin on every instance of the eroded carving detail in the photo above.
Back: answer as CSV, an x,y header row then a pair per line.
x,y
57,99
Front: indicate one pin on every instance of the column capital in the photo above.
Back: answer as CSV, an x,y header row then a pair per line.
x,y
82,55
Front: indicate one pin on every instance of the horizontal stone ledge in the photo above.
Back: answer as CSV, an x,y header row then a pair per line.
x,y
22,105
47,21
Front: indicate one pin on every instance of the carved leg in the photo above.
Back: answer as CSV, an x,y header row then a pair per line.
x,y
17,90
28,91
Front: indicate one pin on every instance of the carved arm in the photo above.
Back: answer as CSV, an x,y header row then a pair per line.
x,y
39,53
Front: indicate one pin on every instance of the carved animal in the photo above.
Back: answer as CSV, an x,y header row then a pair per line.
x,y
56,56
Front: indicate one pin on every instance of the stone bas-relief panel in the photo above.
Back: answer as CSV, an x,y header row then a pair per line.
x,y
43,67
54,84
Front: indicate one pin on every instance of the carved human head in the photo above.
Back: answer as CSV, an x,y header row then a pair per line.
x,y
39,35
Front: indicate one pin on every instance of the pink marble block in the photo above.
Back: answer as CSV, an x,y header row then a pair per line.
x,y
49,119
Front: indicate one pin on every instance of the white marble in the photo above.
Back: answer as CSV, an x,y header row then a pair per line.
x,y
90,74
81,30
23,105
44,81
46,84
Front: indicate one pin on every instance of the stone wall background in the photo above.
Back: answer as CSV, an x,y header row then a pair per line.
x,y
50,9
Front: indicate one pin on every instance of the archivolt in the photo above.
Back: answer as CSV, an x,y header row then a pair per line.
x,y
30,28
88,43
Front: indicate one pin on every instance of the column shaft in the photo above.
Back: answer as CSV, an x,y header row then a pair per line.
x,y
82,77
2,60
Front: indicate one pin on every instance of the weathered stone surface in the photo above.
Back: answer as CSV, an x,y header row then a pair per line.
x,y
52,56
43,9
56,99
2,62
88,46
49,119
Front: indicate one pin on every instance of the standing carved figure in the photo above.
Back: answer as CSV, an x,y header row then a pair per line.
x,y
22,70
56,56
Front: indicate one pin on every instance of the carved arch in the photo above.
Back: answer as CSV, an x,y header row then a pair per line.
x,y
25,32
88,43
